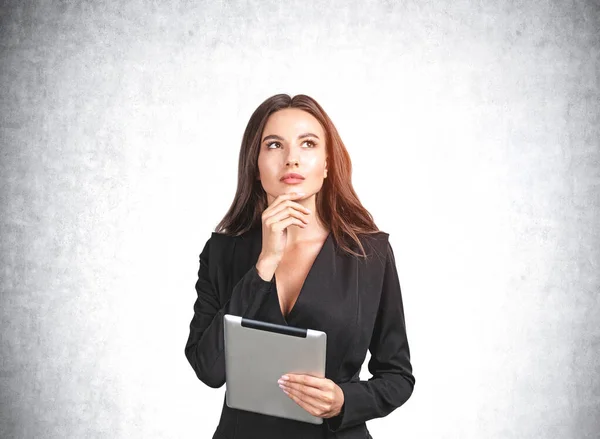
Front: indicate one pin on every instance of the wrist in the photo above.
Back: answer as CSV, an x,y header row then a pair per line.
x,y
341,401
266,266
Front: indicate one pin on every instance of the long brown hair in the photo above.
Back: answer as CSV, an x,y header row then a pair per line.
x,y
337,204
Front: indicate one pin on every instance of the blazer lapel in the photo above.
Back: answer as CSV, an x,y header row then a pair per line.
x,y
338,286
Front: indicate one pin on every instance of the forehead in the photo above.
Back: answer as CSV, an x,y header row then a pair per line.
x,y
292,120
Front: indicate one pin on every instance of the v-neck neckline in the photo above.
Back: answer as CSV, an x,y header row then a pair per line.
x,y
310,271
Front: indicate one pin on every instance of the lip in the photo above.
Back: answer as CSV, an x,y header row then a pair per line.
x,y
292,177
292,180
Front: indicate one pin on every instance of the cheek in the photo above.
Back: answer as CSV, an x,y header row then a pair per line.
x,y
264,166
314,164
268,172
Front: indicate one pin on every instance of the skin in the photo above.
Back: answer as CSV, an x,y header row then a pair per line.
x,y
294,141
289,153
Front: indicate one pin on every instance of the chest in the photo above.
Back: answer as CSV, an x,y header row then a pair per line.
x,y
291,274
320,288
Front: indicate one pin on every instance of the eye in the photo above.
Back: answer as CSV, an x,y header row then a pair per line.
x,y
272,143
309,143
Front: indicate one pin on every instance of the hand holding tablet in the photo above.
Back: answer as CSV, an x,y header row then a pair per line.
x,y
258,354
319,396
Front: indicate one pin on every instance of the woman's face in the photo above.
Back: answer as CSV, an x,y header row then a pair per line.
x,y
293,141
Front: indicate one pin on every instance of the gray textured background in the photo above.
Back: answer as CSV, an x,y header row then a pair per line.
x,y
474,130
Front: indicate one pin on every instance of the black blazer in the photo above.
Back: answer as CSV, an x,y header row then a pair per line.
x,y
356,302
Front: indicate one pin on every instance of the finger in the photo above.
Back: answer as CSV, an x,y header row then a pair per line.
x,y
310,392
307,404
286,204
318,398
288,196
286,213
288,222
311,381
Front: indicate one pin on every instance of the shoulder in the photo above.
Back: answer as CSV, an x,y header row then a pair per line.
x,y
220,245
225,239
378,236
375,245
376,239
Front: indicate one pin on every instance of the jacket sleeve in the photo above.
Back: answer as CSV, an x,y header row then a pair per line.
x,y
392,381
205,346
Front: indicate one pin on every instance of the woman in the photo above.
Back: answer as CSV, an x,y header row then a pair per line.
x,y
297,248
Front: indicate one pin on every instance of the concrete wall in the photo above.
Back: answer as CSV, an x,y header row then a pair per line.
x,y
474,130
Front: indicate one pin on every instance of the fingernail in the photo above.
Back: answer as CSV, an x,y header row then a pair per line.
x,y
285,377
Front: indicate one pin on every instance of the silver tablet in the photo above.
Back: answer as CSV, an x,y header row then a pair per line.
x,y
258,353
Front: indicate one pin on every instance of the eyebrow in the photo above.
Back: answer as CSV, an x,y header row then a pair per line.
x,y
301,136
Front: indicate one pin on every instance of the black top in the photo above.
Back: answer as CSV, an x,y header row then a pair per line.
x,y
356,302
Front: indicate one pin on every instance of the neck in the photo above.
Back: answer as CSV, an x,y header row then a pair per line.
x,y
314,231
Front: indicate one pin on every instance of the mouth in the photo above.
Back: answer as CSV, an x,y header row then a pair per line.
x,y
292,178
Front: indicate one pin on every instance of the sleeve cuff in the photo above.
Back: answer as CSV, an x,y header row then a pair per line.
x,y
261,282
334,423
249,295
344,418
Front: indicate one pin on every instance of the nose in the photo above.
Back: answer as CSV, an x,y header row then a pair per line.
x,y
292,159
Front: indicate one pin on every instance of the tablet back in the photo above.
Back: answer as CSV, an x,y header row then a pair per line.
x,y
258,353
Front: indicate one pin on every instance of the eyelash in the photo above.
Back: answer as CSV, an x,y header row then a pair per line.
x,y
309,141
